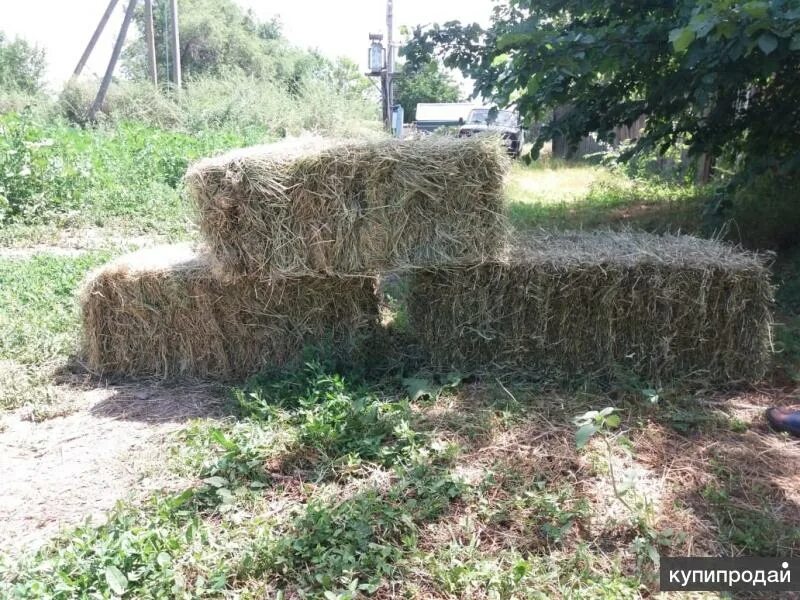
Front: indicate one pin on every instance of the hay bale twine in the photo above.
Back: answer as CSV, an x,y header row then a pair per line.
x,y
351,207
659,307
162,312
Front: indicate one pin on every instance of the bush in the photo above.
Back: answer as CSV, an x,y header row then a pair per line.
x,y
765,213
236,103
42,166
22,66
15,101
125,101
50,168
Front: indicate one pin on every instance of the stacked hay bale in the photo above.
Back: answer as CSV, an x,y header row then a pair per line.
x,y
352,208
295,238
568,303
163,312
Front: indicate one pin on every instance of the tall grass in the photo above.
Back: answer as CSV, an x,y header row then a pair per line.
x,y
236,103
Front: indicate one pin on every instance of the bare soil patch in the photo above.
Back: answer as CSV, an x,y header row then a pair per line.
x,y
59,472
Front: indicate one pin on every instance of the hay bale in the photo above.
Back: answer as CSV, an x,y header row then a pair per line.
x,y
351,207
161,312
603,302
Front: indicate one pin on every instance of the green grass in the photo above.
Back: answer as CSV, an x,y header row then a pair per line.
x,y
325,488
38,310
582,196
124,175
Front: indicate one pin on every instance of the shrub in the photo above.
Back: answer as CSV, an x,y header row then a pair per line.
x,y
22,66
42,166
237,103
125,101
766,211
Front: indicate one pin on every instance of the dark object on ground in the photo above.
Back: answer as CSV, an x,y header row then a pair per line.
x,y
784,419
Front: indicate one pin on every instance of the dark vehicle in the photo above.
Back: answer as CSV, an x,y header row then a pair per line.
x,y
504,122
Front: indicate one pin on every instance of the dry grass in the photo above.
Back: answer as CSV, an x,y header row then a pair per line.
x,y
351,207
162,312
659,307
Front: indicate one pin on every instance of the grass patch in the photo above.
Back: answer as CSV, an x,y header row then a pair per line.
x,y
747,515
321,487
579,196
38,314
122,173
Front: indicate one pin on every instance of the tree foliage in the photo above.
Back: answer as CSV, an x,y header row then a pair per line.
x,y
22,66
218,38
423,82
720,75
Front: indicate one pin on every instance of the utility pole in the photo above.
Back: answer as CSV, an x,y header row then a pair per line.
x,y
101,95
150,40
389,63
95,36
176,45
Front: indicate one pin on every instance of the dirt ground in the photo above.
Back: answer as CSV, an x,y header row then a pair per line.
x,y
59,472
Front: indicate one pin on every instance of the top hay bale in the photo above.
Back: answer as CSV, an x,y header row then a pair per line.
x,y
600,303
351,207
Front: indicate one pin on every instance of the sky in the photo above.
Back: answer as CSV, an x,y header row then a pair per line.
x,y
336,28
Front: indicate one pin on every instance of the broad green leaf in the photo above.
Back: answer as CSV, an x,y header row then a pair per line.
x,y
500,59
587,416
612,420
420,388
117,582
756,10
767,42
703,24
681,38
584,433
164,560
181,499
454,379
216,482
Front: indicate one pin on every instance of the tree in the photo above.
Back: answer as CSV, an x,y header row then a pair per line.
x,y
423,81
720,75
22,66
217,37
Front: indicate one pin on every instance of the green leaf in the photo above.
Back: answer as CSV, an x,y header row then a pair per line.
x,y
756,10
795,43
117,582
584,434
500,59
681,38
703,24
216,482
767,42
454,380
420,388
586,417
163,559
612,420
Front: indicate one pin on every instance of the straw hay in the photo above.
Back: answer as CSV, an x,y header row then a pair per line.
x,y
579,303
161,312
351,207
